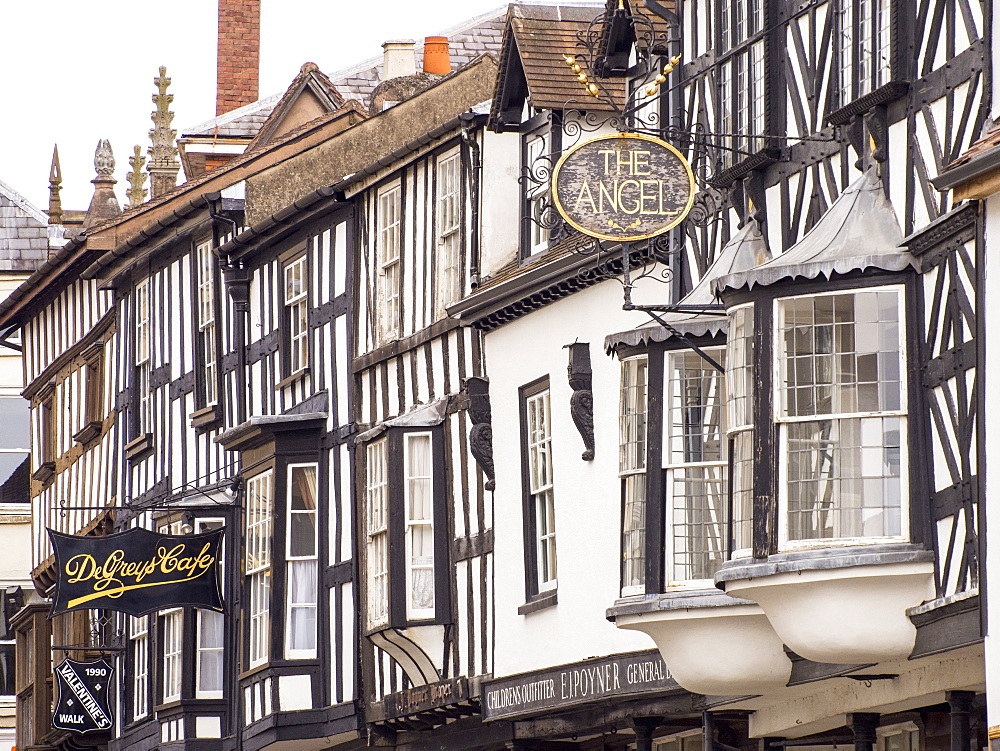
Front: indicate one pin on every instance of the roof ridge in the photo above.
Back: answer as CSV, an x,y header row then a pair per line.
x,y
22,202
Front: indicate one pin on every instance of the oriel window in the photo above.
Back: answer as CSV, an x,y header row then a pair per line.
x,y
259,514
301,554
143,397
632,471
206,323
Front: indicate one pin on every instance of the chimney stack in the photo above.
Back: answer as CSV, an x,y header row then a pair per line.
x,y
238,65
398,59
437,58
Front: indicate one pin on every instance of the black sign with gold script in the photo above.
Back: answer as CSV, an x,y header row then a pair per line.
x,y
136,571
623,186
83,703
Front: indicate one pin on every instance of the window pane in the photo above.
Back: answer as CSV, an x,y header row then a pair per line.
x,y
844,478
699,522
634,531
632,417
14,417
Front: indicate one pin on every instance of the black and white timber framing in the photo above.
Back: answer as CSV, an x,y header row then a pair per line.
x,y
386,357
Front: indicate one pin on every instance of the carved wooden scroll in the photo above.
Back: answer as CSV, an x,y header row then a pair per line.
x,y
581,404
481,433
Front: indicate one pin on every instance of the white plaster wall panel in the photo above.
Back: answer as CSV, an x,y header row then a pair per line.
x,y
294,692
501,195
587,494
340,259
438,372
990,279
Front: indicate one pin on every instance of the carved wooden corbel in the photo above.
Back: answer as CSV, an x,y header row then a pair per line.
x,y
581,404
877,125
481,433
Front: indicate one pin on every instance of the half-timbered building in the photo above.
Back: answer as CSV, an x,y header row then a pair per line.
x,y
488,482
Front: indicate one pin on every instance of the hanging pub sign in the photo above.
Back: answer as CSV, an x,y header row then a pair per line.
x,y
84,696
136,571
623,186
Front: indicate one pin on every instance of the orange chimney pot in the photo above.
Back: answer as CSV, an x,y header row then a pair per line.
x,y
437,58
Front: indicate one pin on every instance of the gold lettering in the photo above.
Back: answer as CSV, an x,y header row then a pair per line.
x,y
640,159
611,195
644,196
621,197
607,160
627,161
585,189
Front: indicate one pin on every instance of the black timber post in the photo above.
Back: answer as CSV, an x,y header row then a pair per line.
x,y
644,727
655,481
961,705
863,726
708,731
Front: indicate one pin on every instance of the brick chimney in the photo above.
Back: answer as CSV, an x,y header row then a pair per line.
x,y
238,66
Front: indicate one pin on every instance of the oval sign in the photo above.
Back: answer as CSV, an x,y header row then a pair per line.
x,y
623,186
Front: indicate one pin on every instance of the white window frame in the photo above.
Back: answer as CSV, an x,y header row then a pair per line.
x,y
377,530
632,468
413,525
740,431
173,653
541,489
448,226
389,237
661,744
535,148
206,321
782,421
295,275
138,635
313,560
259,538
143,356
882,734
674,468
202,525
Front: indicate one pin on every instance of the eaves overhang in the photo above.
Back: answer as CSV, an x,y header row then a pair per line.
x,y
971,170
299,210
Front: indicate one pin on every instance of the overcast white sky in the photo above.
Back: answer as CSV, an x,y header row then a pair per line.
x,y
74,72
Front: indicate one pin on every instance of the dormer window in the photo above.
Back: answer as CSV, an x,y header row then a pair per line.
x,y
536,237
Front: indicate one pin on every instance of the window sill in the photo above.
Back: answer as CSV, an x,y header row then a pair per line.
x,y
206,417
138,448
882,95
758,160
44,472
538,602
89,432
298,375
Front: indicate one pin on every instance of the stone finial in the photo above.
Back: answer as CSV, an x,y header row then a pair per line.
x,y
104,205
55,211
163,162
136,179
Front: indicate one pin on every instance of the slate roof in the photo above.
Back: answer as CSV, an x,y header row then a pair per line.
x,y
24,232
466,42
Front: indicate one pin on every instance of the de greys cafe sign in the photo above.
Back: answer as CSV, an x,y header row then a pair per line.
x,y
623,186
576,683
137,571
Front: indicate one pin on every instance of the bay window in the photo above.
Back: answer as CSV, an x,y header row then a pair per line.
x,y
695,459
172,635
138,635
632,470
840,407
259,514
209,664
302,538
740,386
406,529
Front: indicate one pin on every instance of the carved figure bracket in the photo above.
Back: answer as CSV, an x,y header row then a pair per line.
x,y
581,403
481,432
